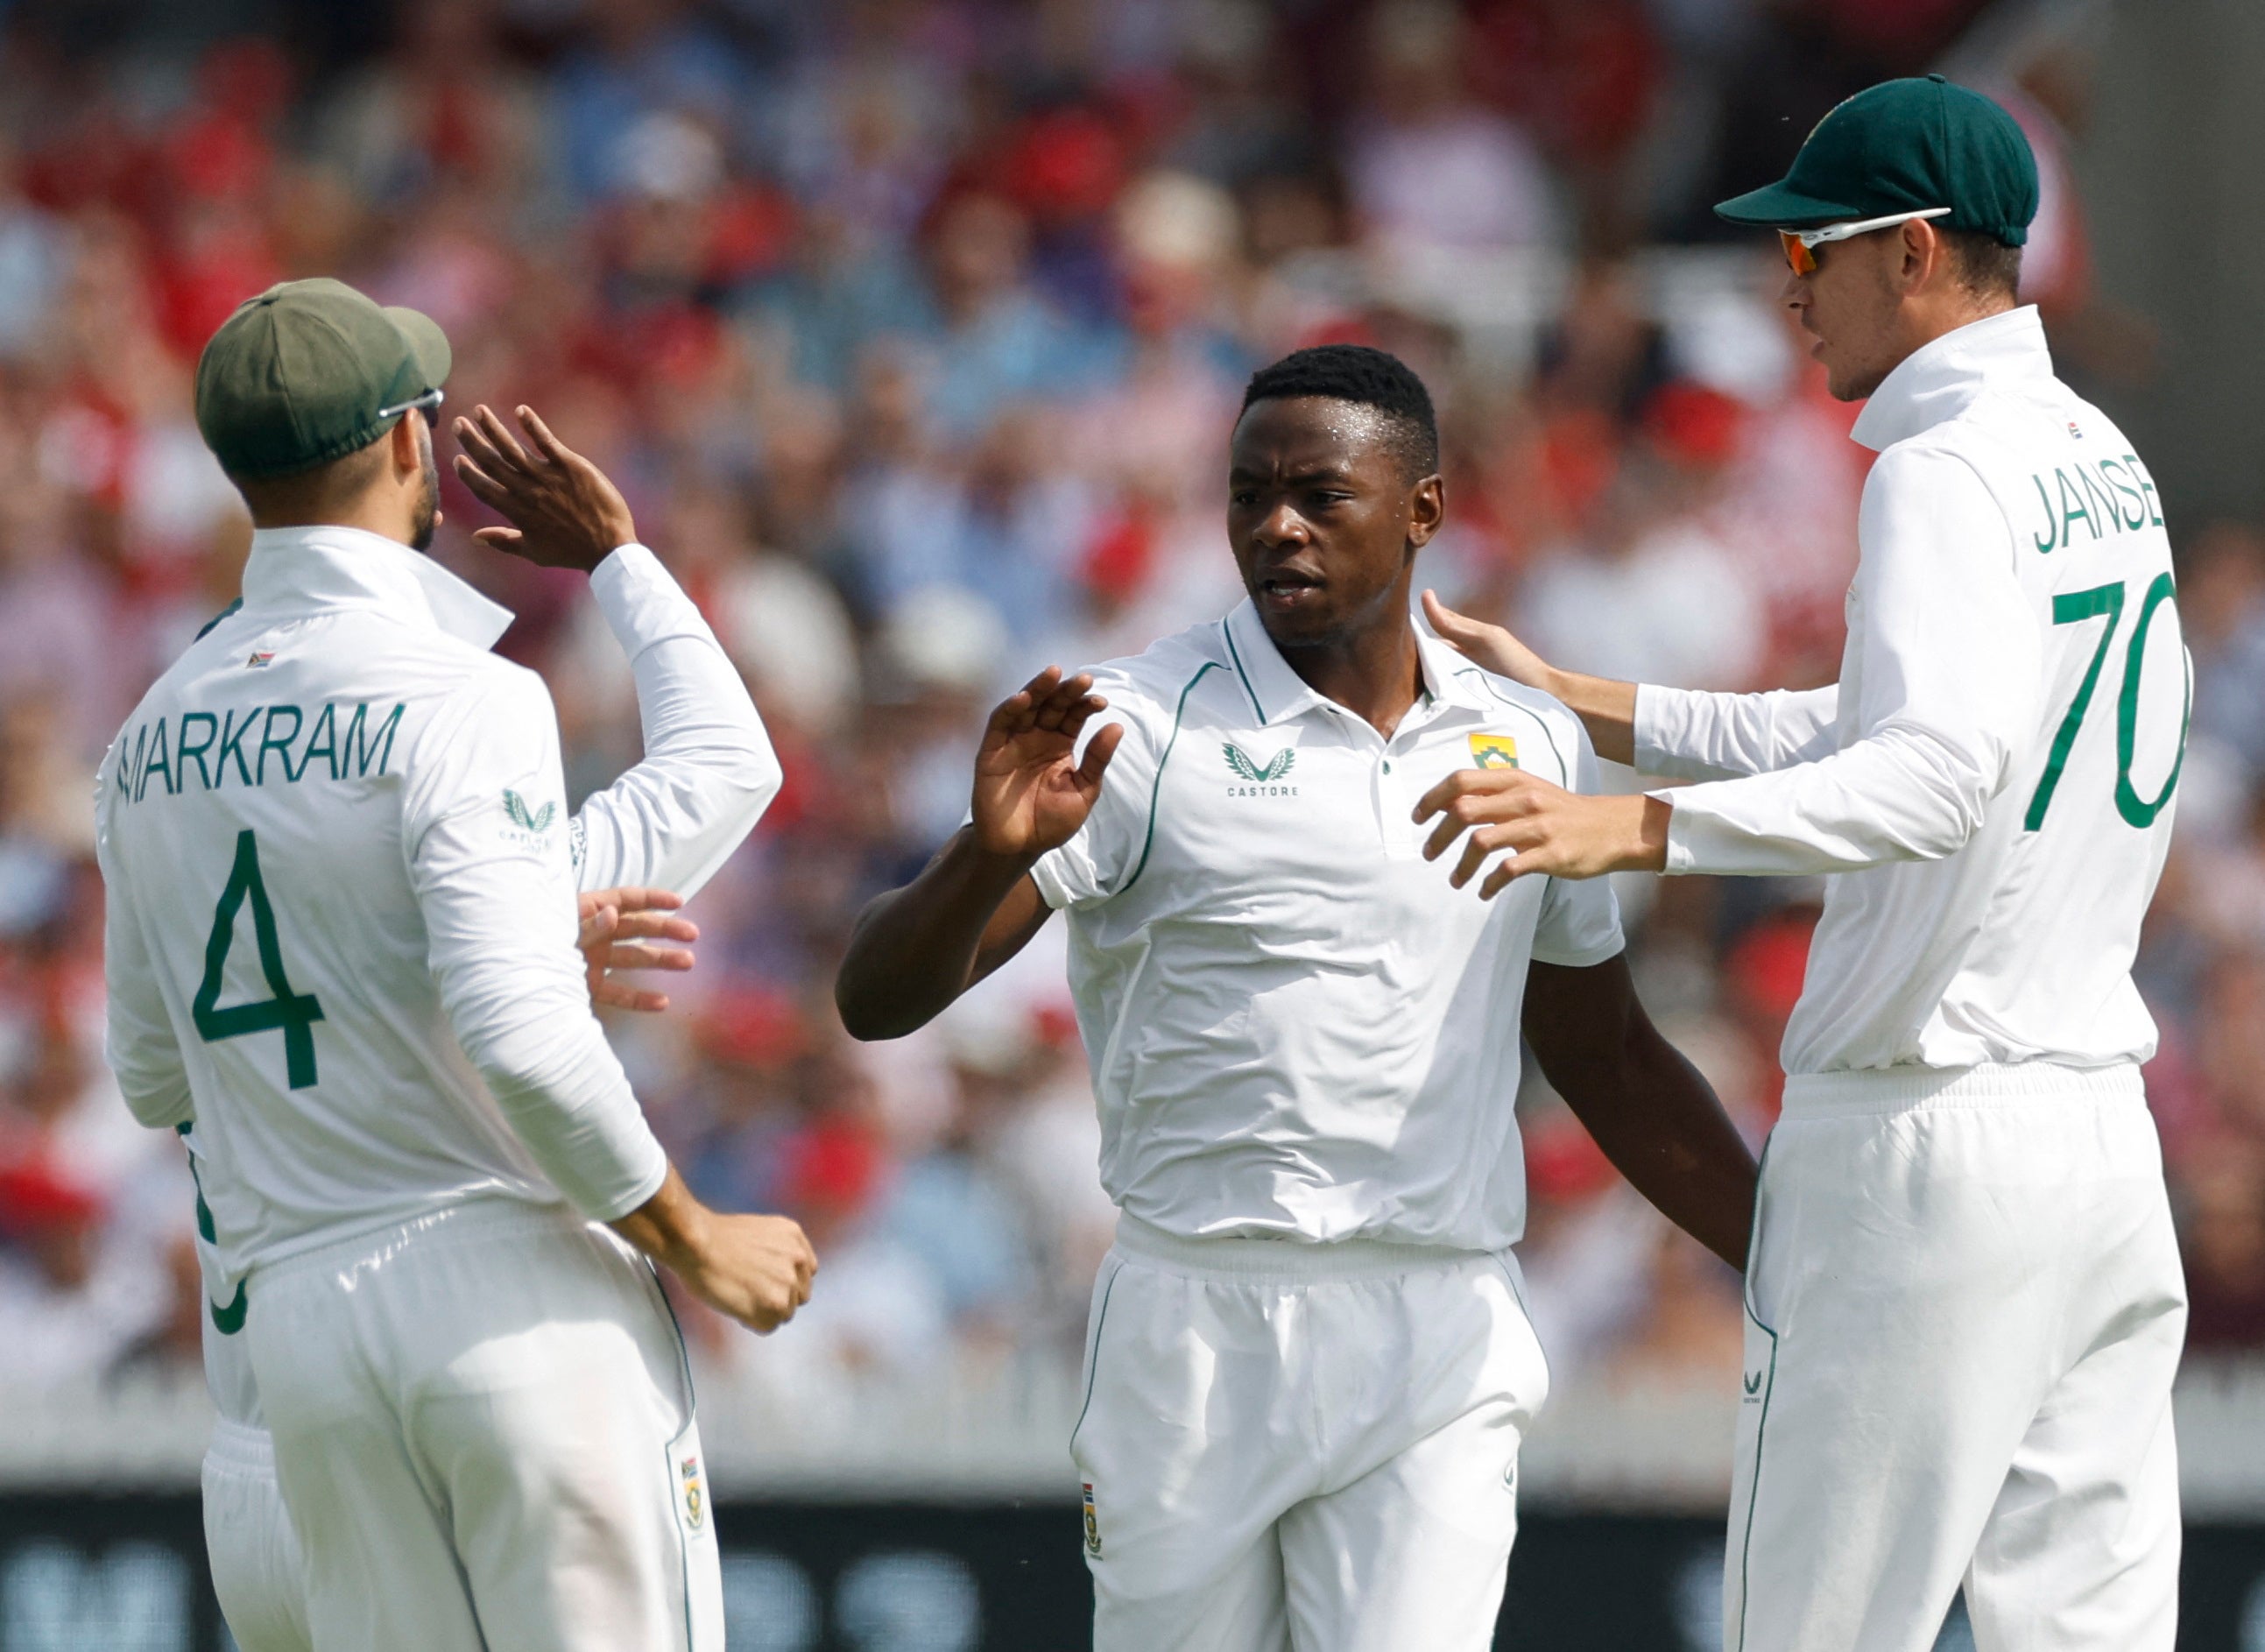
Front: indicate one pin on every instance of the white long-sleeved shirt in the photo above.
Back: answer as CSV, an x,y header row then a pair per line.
x,y
393,1016
1991,777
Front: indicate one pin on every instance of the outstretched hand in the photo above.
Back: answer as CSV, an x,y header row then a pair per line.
x,y
1489,645
563,511
620,928
1545,828
1031,794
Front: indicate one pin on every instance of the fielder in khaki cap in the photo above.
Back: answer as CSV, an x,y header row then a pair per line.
x,y
318,402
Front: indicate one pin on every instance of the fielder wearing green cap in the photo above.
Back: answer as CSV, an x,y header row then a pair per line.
x,y
1964,1300
342,960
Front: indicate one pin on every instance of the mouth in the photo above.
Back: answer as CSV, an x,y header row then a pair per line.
x,y
1288,588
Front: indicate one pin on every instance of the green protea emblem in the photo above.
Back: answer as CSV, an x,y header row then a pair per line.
x,y
524,818
1274,769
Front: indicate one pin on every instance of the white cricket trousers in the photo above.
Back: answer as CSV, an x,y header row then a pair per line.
x,y
483,1430
256,1567
1308,1446
1963,1313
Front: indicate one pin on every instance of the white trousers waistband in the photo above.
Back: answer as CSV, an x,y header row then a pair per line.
x,y
240,1445
1906,1088
1283,1258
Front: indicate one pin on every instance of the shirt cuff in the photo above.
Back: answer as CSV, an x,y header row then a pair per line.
x,y
642,604
1682,826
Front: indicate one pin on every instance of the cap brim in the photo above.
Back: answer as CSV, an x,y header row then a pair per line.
x,y
1780,206
426,342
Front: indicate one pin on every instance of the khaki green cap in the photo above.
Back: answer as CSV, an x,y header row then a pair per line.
x,y
308,372
1905,146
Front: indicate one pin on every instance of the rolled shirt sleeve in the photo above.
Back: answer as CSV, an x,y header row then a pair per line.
x,y
486,845
1945,652
709,770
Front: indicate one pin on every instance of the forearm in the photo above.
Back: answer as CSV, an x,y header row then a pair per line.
x,y
1606,708
915,949
671,1227
1691,734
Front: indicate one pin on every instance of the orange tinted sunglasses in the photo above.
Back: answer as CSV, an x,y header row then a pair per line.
x,y
1800,243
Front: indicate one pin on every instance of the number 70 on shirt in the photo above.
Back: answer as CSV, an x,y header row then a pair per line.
x,y
2105,601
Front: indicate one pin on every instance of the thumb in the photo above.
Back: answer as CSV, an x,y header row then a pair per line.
x,y
1098,750
498,538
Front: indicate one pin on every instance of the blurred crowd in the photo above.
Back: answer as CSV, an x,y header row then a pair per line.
x,y
913,330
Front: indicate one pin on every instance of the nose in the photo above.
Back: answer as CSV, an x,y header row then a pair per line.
x,y
1284,526
1794,292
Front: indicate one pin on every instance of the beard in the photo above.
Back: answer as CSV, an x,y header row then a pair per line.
x,y
426,517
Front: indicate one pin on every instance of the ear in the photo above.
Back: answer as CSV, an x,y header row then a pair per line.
x,y
1427,508
407,461
1926,255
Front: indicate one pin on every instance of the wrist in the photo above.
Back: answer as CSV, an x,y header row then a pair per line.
x,y
1651,835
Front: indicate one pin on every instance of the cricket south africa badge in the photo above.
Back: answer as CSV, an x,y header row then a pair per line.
x,y
1494,751
1092,1523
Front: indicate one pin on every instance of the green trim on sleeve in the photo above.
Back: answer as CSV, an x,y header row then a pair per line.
x,y
1156,792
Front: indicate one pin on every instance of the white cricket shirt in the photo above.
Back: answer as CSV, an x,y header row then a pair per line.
x,y
341,925
1297,1027
1993,776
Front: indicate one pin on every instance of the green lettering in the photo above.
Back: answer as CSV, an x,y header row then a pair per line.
x,y
2096,490
158,763
129,763
2129,493
2052,527
2137,810
187,750
2146,486
322,742
231,745
355,746
2066,514
269,743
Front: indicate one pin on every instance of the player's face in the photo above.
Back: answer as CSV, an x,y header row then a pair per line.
x,y
1324,519
1850,305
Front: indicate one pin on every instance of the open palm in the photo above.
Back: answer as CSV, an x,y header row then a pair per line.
x,y
1031,791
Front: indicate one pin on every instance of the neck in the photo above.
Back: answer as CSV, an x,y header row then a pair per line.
x,y
1946,314
1373,670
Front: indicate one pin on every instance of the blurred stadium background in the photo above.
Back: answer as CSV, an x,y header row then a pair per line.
x,y
913,329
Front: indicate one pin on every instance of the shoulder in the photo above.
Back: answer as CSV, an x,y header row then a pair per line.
x,y
1151,689
1560,730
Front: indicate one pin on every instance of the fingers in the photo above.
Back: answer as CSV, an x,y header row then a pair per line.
x,y
485,488
1012,715
1472,783
1453,629
633,898
1518,866
500,438
1070,699
549,445
480,446
1098,750
597,926
498,538
643,955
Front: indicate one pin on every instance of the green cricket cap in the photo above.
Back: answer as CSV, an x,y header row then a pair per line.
x,y
1905,146
308,372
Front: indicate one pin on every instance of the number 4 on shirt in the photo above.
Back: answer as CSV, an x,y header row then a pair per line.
x,y
2107,601
292,1014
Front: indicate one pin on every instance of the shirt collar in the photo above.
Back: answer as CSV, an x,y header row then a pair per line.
x,y
330,567
1278,694
1942,378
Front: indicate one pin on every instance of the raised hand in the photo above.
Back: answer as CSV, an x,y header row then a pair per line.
x,y
1489,645
1031,794
563,511
620,927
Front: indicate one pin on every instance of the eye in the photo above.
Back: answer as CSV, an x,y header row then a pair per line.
x,y
1242,497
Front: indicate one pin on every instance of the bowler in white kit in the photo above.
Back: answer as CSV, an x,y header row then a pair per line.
x,y
1308,1366
341,946
1964,1306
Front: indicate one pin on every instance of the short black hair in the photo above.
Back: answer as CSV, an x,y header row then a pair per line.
x,y
1372,378
1984,265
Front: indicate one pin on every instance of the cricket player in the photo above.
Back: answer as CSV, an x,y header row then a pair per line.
x,y
341,946
1964,1304
707,774
1308,1368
